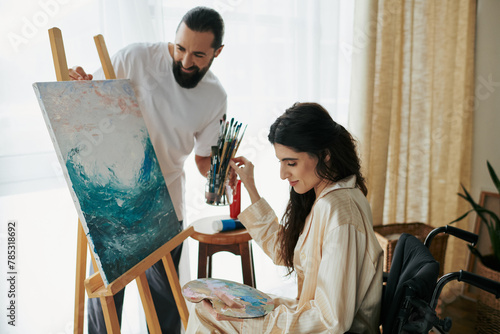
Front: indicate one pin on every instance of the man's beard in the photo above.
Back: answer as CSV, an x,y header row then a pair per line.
x,y
189,80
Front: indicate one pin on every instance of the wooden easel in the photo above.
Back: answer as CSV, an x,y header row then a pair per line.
x,y
94,284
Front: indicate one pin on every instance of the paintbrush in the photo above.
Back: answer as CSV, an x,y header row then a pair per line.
x,y
227,146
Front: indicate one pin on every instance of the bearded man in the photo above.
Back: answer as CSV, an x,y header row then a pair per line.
x,y
182,102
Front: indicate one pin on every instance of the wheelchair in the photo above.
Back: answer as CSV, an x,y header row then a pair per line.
x,y
412,288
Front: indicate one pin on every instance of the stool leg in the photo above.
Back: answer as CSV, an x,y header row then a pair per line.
x,y
247,264
209,272
202,260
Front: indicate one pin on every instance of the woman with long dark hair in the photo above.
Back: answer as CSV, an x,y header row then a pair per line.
x,y
326,234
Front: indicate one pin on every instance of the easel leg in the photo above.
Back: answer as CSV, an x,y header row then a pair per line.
x,y
62,74
147,303
81,261
110,317
173,279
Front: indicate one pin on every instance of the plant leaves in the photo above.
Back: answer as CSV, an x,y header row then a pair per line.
x,y
495,224
471,201
494,177
488,217
490,213
495,242
474,251
468,197
461,217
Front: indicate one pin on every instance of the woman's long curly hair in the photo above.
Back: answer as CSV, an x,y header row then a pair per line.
x,y
308,127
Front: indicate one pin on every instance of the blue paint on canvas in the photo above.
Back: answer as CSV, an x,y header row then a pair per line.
x,y
111,168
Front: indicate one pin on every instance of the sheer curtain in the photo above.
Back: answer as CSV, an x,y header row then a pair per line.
x,y
412,106
276,53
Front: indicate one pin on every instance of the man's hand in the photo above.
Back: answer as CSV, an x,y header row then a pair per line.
x,y
203,164
78,73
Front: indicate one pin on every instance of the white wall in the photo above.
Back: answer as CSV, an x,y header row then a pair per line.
x,y
486,141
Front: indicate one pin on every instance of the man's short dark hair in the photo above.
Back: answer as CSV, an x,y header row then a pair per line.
x,y
202,19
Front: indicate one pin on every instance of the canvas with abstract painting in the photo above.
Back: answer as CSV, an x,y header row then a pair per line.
x,y
111,169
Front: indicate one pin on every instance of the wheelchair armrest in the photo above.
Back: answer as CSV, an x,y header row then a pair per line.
x,y
459,233
481,282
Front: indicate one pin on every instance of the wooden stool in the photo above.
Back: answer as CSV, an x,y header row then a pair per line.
x,y
237,242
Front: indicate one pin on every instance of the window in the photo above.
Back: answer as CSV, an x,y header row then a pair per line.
x,y
276,53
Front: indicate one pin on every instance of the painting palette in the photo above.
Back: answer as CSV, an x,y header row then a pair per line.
x,y
253,303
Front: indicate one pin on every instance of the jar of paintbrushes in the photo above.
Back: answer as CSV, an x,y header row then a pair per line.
x,y
217,189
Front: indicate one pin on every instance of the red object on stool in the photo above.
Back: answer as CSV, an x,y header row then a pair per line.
x,y
235,207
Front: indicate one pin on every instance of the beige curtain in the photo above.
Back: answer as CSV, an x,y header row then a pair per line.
x,y
411,109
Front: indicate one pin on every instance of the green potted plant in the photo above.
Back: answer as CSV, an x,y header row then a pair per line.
x,y
491,221
488,307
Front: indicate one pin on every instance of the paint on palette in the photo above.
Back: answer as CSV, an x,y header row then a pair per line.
x,y
111,169
254,302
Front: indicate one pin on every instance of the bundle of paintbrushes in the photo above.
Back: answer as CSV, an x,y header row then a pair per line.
x,y
230,136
